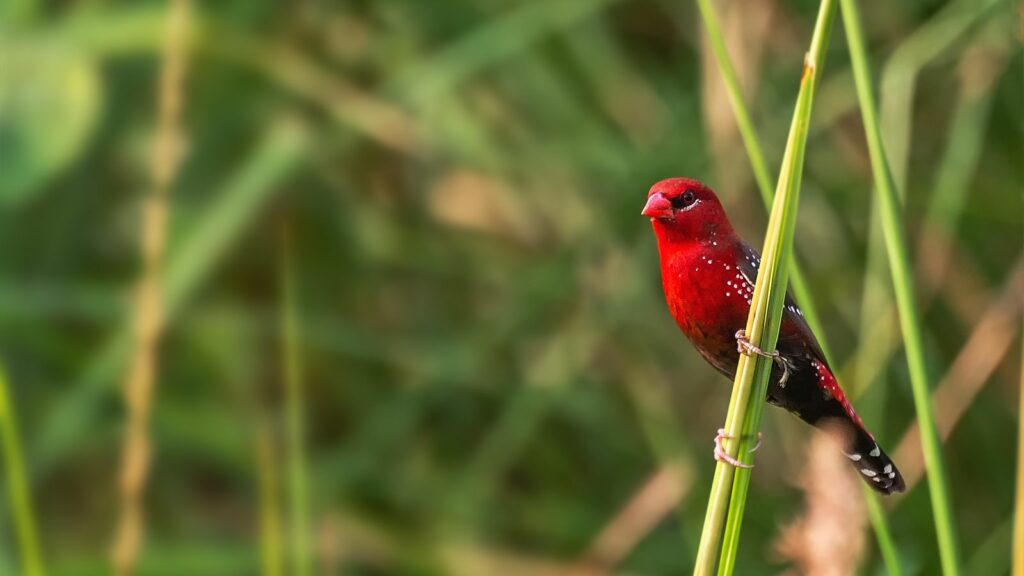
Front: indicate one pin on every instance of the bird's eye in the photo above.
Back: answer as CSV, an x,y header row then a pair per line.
x,y
683,200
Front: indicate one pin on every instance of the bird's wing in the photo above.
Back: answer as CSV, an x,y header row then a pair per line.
x,y
795,336
802,393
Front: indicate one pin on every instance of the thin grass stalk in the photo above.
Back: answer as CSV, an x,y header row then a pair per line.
x,y
877,339
883,536
770,288
727,497
899,78
898,86
22,514
799,285
148,308
758,164
298,499
978,70
268,482
1018,508
748,133
903,283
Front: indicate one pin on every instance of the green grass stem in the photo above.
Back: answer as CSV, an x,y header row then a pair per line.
x,y
267,475
899,262
758,164
883,535
1018,507
22,514
295,420
898,87
770,288
729,488
797,280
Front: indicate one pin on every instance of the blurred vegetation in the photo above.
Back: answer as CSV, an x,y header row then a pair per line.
x,y
424,217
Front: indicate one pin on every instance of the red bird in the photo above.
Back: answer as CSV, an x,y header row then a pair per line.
x,y
708,274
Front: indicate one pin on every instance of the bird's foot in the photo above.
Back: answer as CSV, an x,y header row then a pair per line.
x,y
722,456
743,346
760,437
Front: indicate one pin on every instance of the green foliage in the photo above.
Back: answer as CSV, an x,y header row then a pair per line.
x,y
50,97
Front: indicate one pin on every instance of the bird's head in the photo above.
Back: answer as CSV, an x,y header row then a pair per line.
x,y
685,210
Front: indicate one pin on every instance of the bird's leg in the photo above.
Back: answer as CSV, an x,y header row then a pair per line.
x,y
722,456
743,346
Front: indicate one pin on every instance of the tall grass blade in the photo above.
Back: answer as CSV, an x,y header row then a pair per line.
x,y
148,307
1018,508
748,133
798,282
773,273
883,536
267,475
298,499
899,262
751,142
729,488
22,514
898,85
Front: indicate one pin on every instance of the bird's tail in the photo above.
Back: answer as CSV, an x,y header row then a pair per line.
x,y
872,464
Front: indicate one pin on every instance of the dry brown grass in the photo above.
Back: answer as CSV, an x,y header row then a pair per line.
x,y
651,503
828,539
147,310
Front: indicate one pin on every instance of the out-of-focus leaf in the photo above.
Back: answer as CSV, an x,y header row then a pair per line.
x,y
49,101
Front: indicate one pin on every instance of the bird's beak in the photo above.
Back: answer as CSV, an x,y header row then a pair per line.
x,y
657,207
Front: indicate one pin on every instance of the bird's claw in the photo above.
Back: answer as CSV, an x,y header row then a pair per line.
x,y
743,346
722,456
760,436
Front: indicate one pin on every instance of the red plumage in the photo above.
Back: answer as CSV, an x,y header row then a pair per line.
x,y
708,275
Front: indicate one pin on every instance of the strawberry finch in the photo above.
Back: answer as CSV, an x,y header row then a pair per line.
x,y
708,275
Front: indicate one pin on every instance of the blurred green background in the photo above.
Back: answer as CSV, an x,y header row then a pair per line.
x,y
444,197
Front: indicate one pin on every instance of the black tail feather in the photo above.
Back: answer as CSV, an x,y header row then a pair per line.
x,y
874,465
